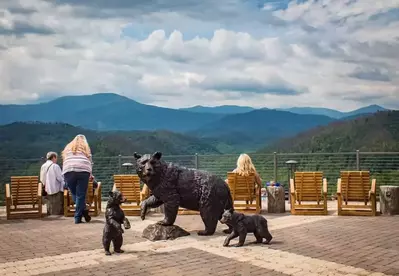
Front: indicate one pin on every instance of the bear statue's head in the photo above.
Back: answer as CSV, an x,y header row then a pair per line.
x,y
227,216
148,166
115,198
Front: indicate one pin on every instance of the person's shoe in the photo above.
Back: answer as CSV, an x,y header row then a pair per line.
x,y
77,221
86,215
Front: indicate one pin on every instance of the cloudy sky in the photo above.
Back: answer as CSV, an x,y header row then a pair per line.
x,y
340,54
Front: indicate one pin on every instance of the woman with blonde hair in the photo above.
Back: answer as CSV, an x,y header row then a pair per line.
x,y
245,167
77,170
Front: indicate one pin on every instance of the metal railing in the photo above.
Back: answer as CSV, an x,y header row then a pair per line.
x,y
384,166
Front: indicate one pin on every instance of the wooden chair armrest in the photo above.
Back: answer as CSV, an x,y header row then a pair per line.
x,y
8,191
339,187
98,189
65,193
324,185
39,189
373,186
292,186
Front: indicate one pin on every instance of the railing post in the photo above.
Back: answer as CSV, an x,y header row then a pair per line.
x,y
119,163
196,161
357,160
275,166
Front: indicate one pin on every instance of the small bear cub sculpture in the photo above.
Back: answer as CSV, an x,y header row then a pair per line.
x,y
114,218
243,224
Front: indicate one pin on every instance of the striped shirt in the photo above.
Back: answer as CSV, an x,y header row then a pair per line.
x,y
77,162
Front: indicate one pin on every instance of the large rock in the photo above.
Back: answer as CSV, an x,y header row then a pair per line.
x,y
157,232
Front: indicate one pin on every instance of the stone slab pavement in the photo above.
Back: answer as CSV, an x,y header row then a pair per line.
x,y
302,245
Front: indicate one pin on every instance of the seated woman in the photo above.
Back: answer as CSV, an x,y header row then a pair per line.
x,y
245,167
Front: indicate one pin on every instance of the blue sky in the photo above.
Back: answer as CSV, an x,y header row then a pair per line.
x,y
179,53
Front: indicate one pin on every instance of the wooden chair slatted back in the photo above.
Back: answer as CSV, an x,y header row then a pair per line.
x,y
355,186
308,186
241,187
129,185
24,190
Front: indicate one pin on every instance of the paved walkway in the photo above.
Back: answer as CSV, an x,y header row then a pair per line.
x,y
302,245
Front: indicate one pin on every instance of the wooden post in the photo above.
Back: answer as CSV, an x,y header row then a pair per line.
x,y
389,200
275,199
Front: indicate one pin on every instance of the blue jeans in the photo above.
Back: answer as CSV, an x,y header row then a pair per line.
x,y
77,183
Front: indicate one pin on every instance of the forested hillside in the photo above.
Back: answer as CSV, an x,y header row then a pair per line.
x,y
376,132
33,140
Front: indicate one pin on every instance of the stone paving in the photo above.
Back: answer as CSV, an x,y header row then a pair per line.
x,y
302,245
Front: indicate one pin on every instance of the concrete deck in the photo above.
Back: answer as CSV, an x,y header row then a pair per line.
x,y
302,246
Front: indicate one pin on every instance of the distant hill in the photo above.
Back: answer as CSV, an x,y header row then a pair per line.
x,y
248,131
223,109
376,132
335,113
365,110
34,140
106,112
315,111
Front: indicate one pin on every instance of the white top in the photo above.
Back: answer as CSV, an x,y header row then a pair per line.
x,y
52,177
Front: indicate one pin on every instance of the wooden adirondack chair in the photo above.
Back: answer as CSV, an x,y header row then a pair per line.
x,y
129,185
24,197
308,194
355,186
93,202
246,198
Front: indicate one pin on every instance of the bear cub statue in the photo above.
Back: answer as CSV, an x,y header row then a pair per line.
x,y
114,218
243,224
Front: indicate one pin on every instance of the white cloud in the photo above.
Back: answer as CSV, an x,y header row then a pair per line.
x,y
310,54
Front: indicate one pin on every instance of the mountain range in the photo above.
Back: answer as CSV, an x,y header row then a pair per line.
x,y
234,109
254,129
227,129
106,111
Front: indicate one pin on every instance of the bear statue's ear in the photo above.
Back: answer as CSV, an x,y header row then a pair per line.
x,y
136,155
157,155
110,193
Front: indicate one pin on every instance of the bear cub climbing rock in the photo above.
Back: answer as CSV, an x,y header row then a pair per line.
x,y
243,224
114,218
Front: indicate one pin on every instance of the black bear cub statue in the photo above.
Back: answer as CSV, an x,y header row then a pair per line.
x,y
114,218
243,224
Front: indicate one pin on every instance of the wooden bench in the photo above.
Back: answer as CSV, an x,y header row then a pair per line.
x,y
308,194
24,197
246,198
93,201
355,186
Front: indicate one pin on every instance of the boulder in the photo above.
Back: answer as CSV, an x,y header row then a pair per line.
x,y
157,232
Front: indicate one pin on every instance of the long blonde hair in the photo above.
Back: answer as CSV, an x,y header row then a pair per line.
x,y
78,144
244,165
